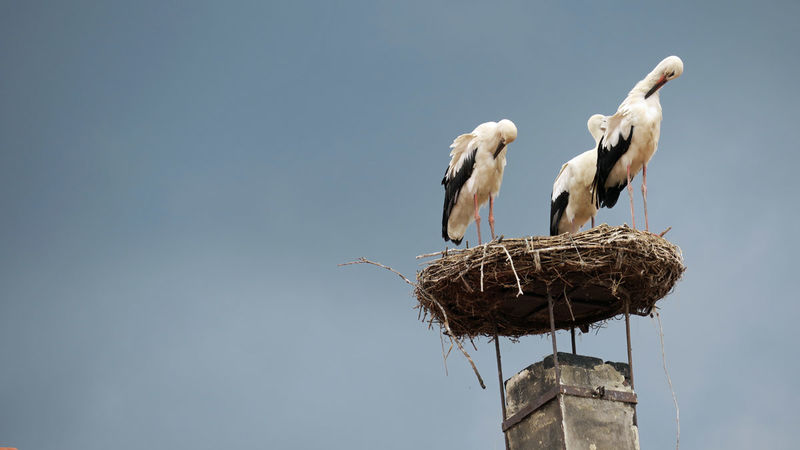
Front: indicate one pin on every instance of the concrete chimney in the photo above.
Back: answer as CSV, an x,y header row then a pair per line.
x,y
571,402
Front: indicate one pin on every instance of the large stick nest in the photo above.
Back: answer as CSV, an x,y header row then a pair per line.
x,y
502,287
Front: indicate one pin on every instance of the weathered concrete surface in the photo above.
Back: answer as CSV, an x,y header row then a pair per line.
x,y
571,422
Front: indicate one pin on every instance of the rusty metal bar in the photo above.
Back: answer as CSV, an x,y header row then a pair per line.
x,y
572,333
536,310
553,335
601,393
555,363
532,296
500,379
628,336
630,351
526,411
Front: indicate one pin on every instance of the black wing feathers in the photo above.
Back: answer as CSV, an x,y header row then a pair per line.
x,y
557,208
607,157
452,188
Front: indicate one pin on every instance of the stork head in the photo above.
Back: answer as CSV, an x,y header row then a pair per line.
x,y
507,131
668,69
597,126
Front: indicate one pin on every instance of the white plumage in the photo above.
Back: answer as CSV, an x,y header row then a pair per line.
x,y
474,175
631,138
572,203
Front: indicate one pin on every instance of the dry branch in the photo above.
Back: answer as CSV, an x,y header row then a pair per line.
x,y
669,380
441,313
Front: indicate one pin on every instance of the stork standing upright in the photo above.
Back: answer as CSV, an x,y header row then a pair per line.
x,y
572,204
631,138
477,161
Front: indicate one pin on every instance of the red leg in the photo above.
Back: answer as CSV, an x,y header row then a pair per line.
x,y
477,219
630,194
491,215
644,195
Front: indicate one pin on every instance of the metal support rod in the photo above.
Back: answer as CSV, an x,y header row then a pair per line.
x,y
553,335
628,336
500,379
572,332
630,352
557,386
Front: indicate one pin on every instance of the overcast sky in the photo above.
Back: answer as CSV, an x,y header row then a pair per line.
x,y
178,181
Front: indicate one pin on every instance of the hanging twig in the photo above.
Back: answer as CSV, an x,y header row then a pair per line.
x,y
466,285
473,344
444,356
519,285
446,323
669,380
363,260
569,305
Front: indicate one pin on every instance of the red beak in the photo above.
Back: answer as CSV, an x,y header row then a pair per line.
x,y
662,81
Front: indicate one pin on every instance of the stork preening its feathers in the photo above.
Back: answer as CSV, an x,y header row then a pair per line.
x,y
477,161
631,138
572,203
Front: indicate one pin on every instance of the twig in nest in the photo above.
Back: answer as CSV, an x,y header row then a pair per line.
x,y
537,261
664,232
519,285
428,255
484,257
669,380
576,249
569,305
466,285
450,334
444,356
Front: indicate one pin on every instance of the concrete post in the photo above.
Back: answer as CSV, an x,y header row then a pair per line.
x,y
591,407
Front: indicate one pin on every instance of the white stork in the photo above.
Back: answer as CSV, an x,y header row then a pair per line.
x,y
477,161
572,203
631,138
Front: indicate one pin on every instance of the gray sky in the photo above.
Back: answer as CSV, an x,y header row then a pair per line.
x,y
179,180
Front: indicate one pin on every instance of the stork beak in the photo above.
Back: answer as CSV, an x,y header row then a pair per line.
x,y
499,148
657,86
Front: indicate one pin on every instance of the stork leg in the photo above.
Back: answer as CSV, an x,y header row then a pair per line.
x,y
644,196
630,194
592,221
477,219
491,215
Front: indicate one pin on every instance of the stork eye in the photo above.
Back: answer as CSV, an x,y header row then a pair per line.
x,y
672,74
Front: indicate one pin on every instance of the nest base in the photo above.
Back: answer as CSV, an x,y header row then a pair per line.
x,y
502,287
